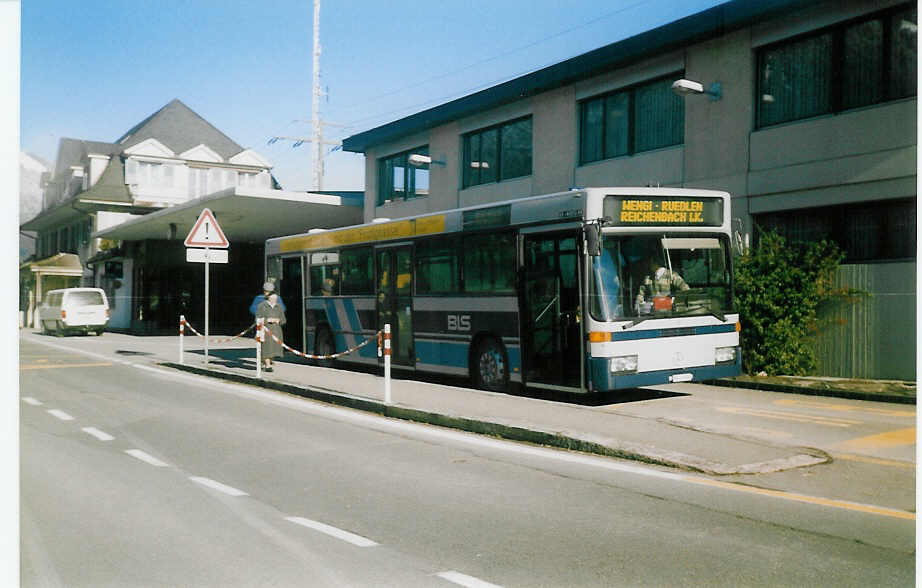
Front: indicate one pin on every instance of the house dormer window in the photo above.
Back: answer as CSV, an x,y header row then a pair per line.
x,y
247,179
155,174
149,173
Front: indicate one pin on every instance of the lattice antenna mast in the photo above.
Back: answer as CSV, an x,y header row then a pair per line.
x,y
317,137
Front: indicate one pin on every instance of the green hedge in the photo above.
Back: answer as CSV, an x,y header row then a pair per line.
x,y
783,292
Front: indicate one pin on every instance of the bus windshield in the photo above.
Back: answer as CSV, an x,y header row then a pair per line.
x,y
661,276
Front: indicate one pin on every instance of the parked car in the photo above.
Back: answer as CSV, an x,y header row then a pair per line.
x,y
74,309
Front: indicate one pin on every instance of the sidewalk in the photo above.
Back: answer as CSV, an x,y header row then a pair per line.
x,y
896,391
606,427
581,427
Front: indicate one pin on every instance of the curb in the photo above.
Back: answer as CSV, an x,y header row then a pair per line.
x,y
830,392
509,432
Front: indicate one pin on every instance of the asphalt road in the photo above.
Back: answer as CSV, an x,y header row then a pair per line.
x,y
132,475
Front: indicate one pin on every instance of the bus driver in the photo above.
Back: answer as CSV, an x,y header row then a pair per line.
x,y
659,281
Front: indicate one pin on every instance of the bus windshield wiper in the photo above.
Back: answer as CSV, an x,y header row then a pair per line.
x,y
693,309
633,324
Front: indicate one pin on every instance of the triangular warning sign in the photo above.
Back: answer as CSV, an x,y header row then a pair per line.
x,y
206,232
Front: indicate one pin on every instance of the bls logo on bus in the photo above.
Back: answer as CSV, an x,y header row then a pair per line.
x,y
459,322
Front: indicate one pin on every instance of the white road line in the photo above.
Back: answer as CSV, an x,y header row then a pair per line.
x,y
60,414
101,435
218,486
465,580
32,401
147,458
356,540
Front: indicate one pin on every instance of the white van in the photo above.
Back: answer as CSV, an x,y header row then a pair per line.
x,y
74,309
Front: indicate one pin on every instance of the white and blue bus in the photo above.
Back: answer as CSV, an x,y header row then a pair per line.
x,y
588,290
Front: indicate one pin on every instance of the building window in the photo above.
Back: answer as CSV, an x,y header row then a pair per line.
x,y
398,179
198,182
642,118
246,179
149,173
870,231
856,64
497,153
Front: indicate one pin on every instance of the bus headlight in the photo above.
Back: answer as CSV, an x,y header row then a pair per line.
x,y
725,355
626,364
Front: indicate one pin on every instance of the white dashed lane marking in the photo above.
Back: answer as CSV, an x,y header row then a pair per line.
x,y
60,414
32,401
352,538
465,580
146,458
218,486
101,435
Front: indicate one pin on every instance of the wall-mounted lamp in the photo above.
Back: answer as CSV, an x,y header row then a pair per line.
x,y
685,87
418,160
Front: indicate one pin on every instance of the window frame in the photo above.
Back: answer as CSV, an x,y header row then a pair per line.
x,y
467,176
797,226
409,176
630,93
837,56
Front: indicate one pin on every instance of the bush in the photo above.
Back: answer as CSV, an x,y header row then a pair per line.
x,y
782,291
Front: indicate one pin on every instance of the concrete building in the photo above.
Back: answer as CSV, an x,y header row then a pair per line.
x,y
805,113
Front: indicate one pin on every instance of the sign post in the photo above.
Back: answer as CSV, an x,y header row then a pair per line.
x,y
206,233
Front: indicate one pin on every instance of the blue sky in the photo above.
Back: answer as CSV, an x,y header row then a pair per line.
x,y
93,69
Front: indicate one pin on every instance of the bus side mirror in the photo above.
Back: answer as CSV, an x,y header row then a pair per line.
x,y
593,234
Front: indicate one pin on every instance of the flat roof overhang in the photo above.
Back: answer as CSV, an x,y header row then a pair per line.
x,y
244,215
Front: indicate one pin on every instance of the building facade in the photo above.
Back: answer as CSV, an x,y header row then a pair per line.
x,y
170,158
805,113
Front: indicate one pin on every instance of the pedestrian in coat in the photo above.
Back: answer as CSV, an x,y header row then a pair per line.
x,y
270,310
268,288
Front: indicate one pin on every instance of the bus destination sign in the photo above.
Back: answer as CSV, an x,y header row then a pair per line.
x,y
658,210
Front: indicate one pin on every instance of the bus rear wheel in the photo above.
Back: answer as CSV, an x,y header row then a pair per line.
x,y
490,366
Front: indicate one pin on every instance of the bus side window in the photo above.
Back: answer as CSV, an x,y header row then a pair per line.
x,y
324,274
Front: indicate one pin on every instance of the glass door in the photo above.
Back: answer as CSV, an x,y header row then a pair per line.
x,y
551,333
395,300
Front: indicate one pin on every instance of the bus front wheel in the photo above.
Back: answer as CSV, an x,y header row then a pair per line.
x,y
490,366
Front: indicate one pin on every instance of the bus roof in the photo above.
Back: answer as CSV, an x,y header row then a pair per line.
x,y
559,207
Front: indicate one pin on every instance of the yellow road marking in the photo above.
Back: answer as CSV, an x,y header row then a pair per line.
x,y
62,365
789,416
845,407
896,438
875,460
843,504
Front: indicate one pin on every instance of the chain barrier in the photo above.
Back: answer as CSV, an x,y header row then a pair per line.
x,y
332,356
382,337
183,324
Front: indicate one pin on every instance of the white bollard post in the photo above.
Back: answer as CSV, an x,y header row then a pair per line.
x,y
259,347
182,328
387,363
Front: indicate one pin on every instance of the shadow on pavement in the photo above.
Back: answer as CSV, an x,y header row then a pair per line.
x,y
234,358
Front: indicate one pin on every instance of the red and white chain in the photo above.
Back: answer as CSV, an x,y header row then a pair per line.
x,y
183,324
332,356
